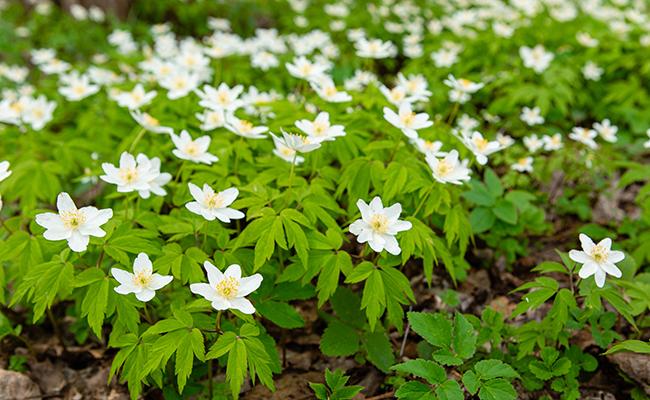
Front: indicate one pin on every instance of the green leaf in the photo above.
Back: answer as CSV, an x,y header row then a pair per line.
x,y
434,328
636,346
94,305
425,369
464,337
281,314
497,389
380,350
490,369
493,183
450,390
471,382
505,211
339,340
236,367
374,298
415,390
481,219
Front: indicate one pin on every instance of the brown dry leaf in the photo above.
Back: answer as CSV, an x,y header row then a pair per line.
x,y
635,365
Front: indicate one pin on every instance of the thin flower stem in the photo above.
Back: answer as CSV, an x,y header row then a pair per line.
x,y
210,379
424,200
454,111
178,174
137,139
218,323
205,232
147,316
291,171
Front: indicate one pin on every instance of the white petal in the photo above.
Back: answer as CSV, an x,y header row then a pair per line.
x,y
122,276
249,284
125,289
242,305
214,275
233,271
64,202
600,278
205,290
586,242
615,256
588,269
391,245
78,242
159,281
145,295
611,269
142,264
229,195
579,256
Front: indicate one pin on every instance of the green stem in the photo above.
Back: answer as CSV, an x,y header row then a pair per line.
x,y
291,171
137,139
424,199
453,113
218,323
178,174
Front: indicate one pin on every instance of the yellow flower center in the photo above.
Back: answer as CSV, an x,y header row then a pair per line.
x,y
287,152
330,91
320,128
180,83
407,119
306,69
223,97
396,94
599,253
142,279
128,175
38,113
79,89
149,120
379,223
192,149
228,287
444,168
73,219
136,96
213,200
523,162
245,126
481,143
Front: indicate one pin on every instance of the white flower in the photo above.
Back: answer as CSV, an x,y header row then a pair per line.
x,y
72,224
592,71
531,116
466,123
448,169
524,164
211,205
150,123
428,147
505,141
38,112
406,120
533,143
136,98
193,150
444,58
462,84
597,259
299,143
143,282
321,129
396,96
536,58
378,225
375,48
264,60
141,174
416,86
223,98
285,152
302,68
4,170
179,84
326,90
606,130
480,146
585,136
77,87
552,142
244,128
228,289
586,39
211,119
646,144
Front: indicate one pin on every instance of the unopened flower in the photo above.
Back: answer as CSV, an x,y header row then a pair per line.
x,y
211,205
597,259
378,225
143,281
72,224
227,290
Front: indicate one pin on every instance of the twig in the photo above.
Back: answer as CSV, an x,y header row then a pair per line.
x,y
406,335
386,395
